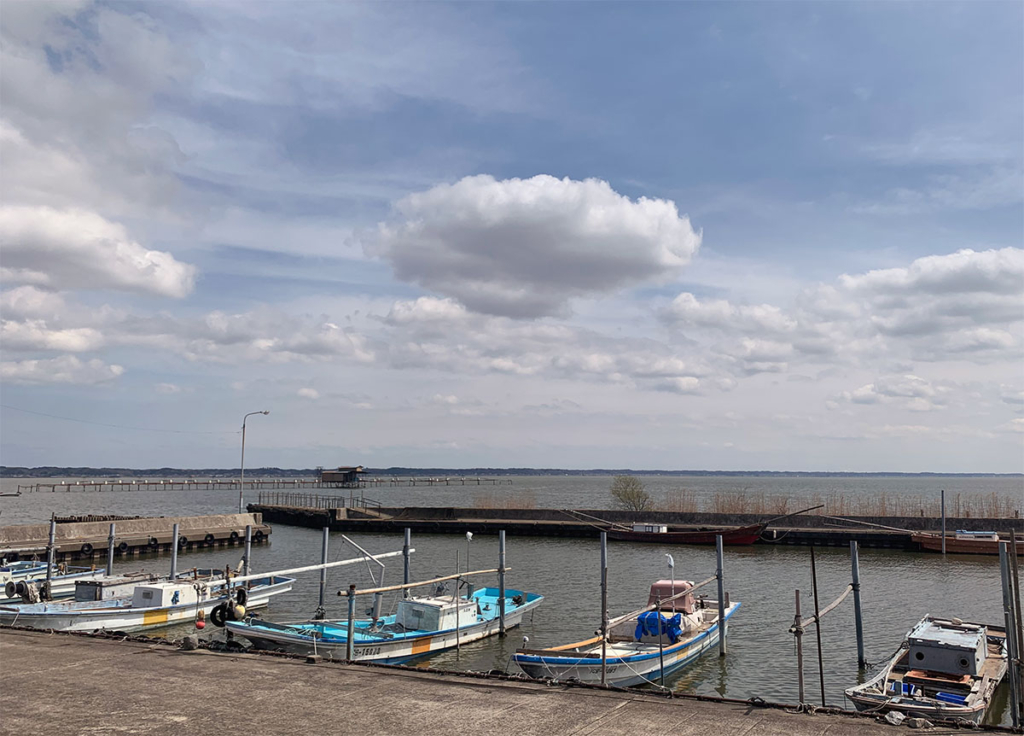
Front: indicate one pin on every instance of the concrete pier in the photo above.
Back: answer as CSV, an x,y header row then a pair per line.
x,y
68,684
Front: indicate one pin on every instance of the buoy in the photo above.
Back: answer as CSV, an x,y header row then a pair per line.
x,y
200,624
239,612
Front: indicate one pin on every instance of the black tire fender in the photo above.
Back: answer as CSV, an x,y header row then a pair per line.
x,y
242,596
218,616
209,539
86,549
123,547
258,535
182,541
154,542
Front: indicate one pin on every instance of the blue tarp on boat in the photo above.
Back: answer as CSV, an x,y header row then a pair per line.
x,y
647,625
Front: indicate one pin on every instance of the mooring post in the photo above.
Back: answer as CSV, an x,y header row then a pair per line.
x,y
350,648
1011,632
798,631
405,559
174,553
857,613
247,555
604,608
323,570
661,641
241,507
458,605
943,504
501,582
721,595
110,551
817,627
51,549
1015,580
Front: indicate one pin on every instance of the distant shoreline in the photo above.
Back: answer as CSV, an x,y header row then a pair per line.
x,y
73,472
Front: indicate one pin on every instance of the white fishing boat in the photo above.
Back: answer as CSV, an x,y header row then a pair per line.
x,y
420,626
946,669
149,605
26,579
640,646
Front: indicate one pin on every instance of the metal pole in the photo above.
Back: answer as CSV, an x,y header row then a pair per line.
x,y
110,552
817,627
458,602
174,553
1011,637
405,555
350,648
247,558
501,582
799,649
1015,580
323,571
241,506
604,608
857,613
943,521
721,596
241,482
661,642
51,549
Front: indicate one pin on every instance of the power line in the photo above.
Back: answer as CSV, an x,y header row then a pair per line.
x,y
117,426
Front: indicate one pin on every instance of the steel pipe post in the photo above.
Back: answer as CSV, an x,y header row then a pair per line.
x,y
604,608
501,582
857,612
799,633
174,552
405,561
51,549
350,643
1012,654
323,571
247,555
110,551
720,554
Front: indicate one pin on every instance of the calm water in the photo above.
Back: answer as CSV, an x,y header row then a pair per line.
x,y
898,588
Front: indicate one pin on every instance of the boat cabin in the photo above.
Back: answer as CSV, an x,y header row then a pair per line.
x,y
947,647
649,528
103,589
163,595
435,614
978,536
666,589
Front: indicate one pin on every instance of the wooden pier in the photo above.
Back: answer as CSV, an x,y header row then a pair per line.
x,y
78,539
124,485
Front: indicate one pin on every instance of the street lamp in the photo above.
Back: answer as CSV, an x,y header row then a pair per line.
x,y
241,487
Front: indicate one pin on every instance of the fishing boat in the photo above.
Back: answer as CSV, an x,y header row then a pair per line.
x,y
150,604
963,542
946,669
660,533
26,579
420,626
640,645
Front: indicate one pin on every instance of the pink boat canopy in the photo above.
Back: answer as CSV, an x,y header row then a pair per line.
x,y
666,588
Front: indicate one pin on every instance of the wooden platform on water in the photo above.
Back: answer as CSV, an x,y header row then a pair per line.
x,y
86,539
72,684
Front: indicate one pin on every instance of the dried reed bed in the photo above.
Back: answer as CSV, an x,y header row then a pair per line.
x,y
499,500
836,503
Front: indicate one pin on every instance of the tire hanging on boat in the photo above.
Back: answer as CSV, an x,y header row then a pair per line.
x,y
219,615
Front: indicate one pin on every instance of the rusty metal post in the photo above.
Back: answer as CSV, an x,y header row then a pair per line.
x,y
798,631
817,627
857,613
174,552
247,555
110,551
350,644
720,555
501,582
604,608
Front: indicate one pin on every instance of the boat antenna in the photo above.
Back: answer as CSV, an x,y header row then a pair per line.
x,y
672,573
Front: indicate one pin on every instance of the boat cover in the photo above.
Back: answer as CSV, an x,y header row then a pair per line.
x,y
647,625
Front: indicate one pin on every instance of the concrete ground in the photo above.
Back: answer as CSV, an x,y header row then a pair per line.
x,y
64,684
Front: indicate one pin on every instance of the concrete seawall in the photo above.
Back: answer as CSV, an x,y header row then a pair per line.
x,y
68,684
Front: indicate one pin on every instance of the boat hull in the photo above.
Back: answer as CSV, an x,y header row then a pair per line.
x,y
743,535
119,615
639,669
61,586
933,543
395,651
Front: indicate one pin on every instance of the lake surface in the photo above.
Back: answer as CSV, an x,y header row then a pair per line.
x,y
898,588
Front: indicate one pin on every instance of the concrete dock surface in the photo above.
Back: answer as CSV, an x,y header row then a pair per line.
x,y
67,684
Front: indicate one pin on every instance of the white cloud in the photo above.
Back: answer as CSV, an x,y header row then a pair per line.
x,y
76,249
35,335
525,247
308,393
686,309
168,388
26,302
63,369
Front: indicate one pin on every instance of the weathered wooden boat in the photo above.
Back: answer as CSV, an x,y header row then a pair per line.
x,y
17,577
964,542
420,626
638,645
149,605
946,669
659,533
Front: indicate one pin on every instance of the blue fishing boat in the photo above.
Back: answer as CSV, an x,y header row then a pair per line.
x,y
420,626
640,645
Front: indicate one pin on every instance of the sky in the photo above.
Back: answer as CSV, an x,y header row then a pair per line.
x,y
719,236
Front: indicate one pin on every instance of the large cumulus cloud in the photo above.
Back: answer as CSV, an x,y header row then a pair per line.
x,y
523,248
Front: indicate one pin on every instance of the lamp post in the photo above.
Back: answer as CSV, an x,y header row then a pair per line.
x,y
241,486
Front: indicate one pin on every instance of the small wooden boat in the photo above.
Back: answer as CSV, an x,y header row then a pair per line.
x,y
420,626
662,534
149,605
638,644
965,543
946,669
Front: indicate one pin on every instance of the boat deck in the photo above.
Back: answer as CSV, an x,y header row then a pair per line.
x,y
160,692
